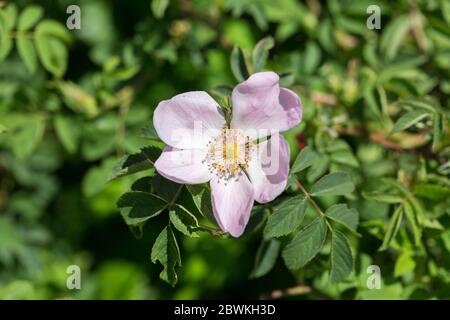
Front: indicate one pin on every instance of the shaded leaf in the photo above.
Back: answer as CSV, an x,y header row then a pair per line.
x,y
201,195
137,207
238,64
166,251
265,258
143,160
183,221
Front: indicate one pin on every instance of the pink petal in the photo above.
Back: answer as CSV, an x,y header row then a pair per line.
x,y
183,166
232,201
188,120
260,104
269,171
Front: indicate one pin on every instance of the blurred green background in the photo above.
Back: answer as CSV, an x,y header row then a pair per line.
x,y
72,107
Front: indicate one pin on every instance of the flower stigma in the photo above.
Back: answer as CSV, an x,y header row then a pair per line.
x,y
229,153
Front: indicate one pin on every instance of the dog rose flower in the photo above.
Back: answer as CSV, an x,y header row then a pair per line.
x,y
245,160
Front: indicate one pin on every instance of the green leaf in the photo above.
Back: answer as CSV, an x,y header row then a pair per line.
x,y
404,264
319,167
201,195
27,138
344,215
333,184
445,8
413,221
431,191
53,29
305,158
77,99
305,245
53,54
68,132
10,15
345,157
265,258
50,37
417,103
166,251
29,17
165,188
409,119
143,160
311,59
95,179
437,130
393,227
393,35
382,197
261,53
27,52
286,217
183,221
137,207
238,64
341,257
159,7
6,42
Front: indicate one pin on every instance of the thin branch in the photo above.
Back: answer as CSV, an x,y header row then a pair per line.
x,y
296,291
313,202
213,231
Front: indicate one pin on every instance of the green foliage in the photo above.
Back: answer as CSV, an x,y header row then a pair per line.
x,y
286,217
166,251
305,244
369,179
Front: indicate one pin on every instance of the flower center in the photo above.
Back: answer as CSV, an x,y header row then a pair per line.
x,y
229,152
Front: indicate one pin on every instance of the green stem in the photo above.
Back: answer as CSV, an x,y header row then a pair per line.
x,y
312,201
213,231
175,197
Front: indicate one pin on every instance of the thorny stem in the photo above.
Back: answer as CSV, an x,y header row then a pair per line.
x,y
296,291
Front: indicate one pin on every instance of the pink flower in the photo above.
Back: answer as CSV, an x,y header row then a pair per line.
x,y
239,166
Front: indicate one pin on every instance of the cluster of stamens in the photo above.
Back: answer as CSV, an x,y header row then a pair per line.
x,y
229,153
